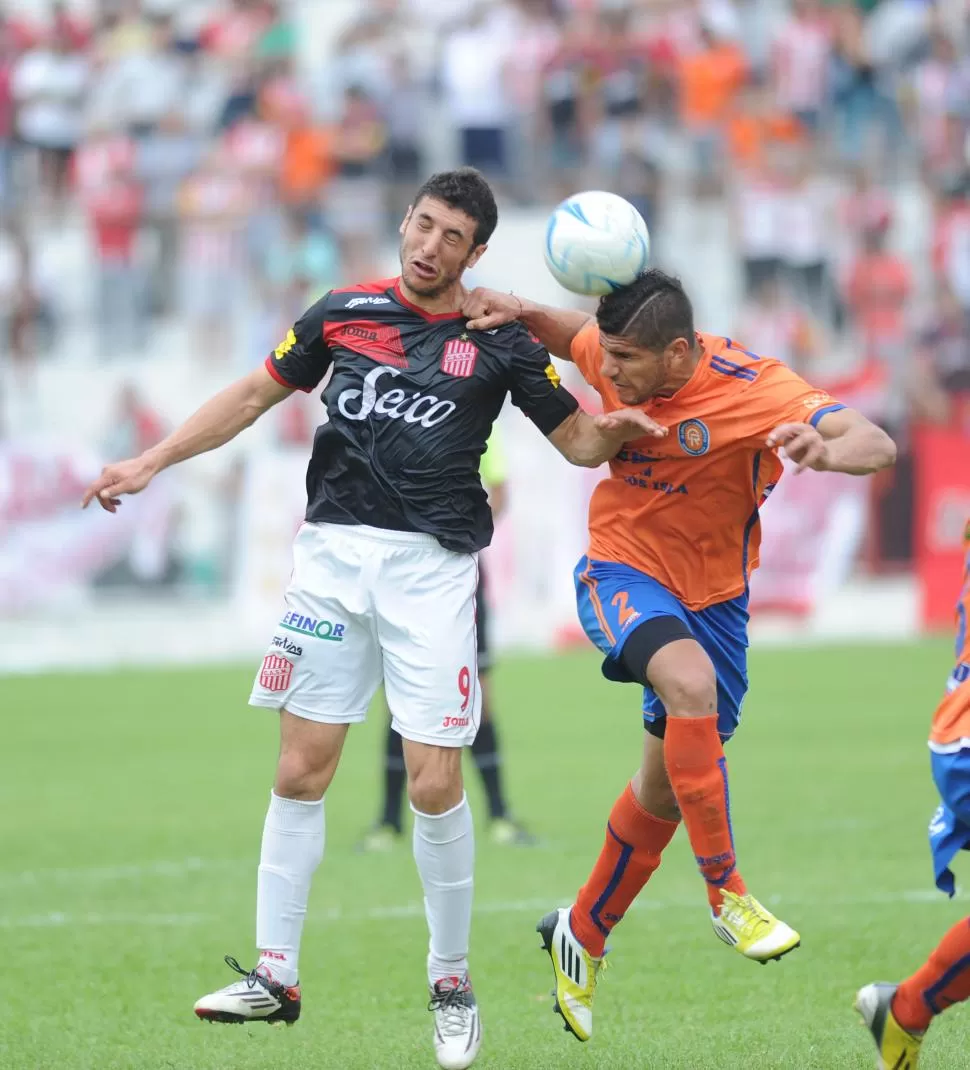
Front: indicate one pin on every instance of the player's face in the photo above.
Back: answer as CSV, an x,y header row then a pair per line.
x,y
639,374
437,246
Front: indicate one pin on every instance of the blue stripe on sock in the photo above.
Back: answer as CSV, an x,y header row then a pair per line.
x,y
931,993
626,851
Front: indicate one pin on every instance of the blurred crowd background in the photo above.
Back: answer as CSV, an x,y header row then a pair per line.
x,y
180,178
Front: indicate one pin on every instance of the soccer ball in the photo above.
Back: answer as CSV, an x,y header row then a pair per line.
x,y
596,242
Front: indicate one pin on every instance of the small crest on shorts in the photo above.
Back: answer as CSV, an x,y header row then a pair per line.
x,y
275,673
459,357
694,437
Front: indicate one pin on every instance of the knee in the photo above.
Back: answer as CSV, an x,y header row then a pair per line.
x,y
302,777
691,692
435,787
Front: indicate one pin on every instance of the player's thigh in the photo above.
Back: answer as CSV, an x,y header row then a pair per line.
x,y
323,662
616,603
425,602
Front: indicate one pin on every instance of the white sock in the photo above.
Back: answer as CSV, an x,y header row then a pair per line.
x,y
444,849
292,848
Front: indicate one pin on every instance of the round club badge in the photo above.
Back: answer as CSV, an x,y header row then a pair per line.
x,y
694,437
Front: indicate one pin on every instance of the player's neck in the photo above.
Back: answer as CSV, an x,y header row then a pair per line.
x,y
675,383
441,304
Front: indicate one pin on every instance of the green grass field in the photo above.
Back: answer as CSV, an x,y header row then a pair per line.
x,y
131,808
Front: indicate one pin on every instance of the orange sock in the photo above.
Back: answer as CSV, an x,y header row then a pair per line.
x,y
697,770
943,980
635,840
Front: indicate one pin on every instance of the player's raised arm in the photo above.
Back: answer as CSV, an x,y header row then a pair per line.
x,y
299,362
220,419
839,441
582,439
589,441
554,327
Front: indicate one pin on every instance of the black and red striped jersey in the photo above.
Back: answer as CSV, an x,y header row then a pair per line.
x,y
410,405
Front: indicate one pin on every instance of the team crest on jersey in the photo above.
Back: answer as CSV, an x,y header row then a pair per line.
x,y
694,437
275,673
459,357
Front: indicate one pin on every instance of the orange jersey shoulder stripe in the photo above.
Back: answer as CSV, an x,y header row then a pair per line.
x,y
685,510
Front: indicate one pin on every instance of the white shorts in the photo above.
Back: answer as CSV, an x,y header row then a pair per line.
x,y
366,606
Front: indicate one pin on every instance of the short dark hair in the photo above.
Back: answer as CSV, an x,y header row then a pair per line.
x,y
652,311
467,190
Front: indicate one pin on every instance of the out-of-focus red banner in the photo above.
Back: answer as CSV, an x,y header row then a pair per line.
x,y
942,509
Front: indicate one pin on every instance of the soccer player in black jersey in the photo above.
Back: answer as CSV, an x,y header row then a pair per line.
x,y
385,572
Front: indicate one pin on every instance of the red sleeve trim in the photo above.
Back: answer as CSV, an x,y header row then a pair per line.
x,y
270,365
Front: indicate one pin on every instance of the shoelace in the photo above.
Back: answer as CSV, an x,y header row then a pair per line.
x,y
252,977
748,915
454,1006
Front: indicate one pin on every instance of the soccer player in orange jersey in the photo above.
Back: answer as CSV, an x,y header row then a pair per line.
x,y
899,1015
663,590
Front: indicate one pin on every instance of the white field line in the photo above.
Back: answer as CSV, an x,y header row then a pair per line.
x,y
413,911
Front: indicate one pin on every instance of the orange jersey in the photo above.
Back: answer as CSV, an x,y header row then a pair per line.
x,y
951,722
684,509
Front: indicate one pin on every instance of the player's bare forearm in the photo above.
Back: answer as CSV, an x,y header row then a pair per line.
x,y
554,327
220,419
843,441
589,441
860,451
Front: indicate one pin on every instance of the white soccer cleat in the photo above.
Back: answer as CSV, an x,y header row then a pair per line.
x,y
457,1026
576,971
752,930
257,998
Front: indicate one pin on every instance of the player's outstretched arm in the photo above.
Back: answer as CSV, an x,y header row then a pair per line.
x,y
554,327
220,419
588,441
842,441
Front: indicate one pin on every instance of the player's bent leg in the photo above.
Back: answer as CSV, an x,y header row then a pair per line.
x,y
683,676
292,848
503,829
641,824
899,1015
444,852
897,1049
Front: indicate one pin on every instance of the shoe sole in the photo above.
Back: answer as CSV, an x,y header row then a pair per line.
x,y
228,1018
780,955
547,930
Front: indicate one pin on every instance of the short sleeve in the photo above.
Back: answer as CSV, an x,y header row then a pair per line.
x,y
535,386
779,396
585,352
303,358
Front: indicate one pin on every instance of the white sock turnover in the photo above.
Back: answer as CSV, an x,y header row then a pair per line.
x,y
293,838
444,850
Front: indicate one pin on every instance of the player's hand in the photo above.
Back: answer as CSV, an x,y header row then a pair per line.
x,y
486,309
125,477
634,423
802,444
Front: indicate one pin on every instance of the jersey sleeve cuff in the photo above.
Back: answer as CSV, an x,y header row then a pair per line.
x,y
824,411
271,366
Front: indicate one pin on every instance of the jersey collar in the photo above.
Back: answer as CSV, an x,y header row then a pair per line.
x,y
430,317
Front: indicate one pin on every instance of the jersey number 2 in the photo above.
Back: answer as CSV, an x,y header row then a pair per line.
x,y
627,613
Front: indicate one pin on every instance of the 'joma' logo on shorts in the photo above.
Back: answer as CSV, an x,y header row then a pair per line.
x,y
454,722
313,626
